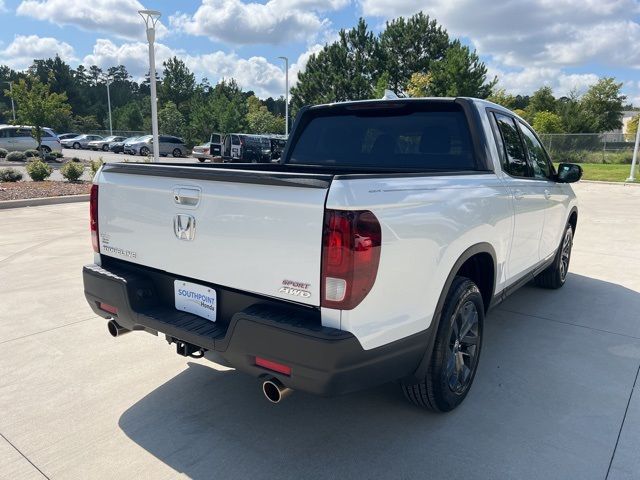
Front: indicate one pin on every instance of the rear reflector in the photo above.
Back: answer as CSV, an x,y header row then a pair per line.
x,y
350,256
108,308
93,218
273,366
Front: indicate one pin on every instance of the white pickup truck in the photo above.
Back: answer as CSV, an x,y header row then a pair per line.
x,y
370,253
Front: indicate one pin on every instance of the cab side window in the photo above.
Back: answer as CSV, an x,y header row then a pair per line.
x,y
514,159
537,155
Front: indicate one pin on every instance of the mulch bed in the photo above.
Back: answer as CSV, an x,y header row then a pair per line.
x,y
22,190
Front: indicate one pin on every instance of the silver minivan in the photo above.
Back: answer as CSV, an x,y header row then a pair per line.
x,y
169,145
19,138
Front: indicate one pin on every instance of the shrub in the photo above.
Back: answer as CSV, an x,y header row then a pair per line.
x,y
10,175
31,153
3,152
38,170
55,154
95,166
72,171
76,159
16,157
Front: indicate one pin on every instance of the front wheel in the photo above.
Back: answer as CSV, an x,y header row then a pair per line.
x,y
456,351
556,274
105,148
45,149
76,146
177,152
201,160
144,151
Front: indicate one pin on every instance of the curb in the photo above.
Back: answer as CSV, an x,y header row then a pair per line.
x,y
34,202
624,184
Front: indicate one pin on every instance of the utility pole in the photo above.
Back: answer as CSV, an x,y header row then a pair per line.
x,y
286,95
150,18
13,107
634,162
109,104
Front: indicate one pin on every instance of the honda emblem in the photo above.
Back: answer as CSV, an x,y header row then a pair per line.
x,y
184,226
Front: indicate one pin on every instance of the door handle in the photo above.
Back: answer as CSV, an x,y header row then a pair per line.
x,y
518,194
547,194
186,196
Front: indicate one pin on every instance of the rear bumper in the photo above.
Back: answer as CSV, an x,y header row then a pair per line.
x,y
323,361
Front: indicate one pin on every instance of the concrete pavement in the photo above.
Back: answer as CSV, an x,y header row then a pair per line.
x,y
554,396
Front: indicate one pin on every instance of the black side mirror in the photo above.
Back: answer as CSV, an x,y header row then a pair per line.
x,y
569,173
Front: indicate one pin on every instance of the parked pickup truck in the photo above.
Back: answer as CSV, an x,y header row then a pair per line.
x,y
370,253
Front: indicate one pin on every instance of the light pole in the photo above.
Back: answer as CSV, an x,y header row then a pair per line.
x,y
150,18
635,155
13,107
109,105
286,95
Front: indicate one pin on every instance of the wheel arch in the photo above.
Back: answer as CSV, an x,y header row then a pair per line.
x,y
573,218
470,263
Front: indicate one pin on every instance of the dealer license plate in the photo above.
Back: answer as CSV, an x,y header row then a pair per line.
x,y
196,299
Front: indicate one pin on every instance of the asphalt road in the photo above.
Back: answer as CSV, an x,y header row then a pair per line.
x,y
554,396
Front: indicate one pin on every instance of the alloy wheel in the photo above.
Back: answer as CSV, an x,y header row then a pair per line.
x,y
463,348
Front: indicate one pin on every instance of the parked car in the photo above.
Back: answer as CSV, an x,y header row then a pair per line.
x,y
245,148
20,138
169,145
65,136
371,253
81,141
103,143
209,150
278,142
118,147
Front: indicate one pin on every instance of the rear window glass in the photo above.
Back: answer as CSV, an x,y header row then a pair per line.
x,y
420,136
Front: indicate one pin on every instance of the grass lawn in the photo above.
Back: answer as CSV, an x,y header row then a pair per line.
x,y
607,172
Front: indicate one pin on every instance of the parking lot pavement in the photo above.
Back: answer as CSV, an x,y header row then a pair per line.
x,y
118,157
554,395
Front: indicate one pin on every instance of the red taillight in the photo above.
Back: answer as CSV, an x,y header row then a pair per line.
x,y
273,366
108,308
350,257
93,217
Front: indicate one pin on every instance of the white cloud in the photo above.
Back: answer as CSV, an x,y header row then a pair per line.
x,y
21,52
541,33
3,7
116,17
274,22
255,73
527,80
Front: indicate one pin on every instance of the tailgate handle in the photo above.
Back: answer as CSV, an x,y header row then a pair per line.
x,y
186,196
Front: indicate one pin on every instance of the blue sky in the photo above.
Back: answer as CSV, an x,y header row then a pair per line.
x,y
567,44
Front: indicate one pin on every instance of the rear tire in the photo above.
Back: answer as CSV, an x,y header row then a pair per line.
x,y
201,160
105,148
456,352
555,275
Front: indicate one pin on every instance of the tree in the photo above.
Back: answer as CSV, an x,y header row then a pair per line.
x,y
571,111
170,120
37,106
419,85
460,73
501,97
542,100
548,122
260,119
128,117
410,46
603,104
381,85
343,70
178,83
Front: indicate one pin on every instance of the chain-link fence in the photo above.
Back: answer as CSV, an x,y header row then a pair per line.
x,y
589,147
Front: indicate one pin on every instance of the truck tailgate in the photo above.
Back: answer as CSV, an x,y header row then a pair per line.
x,y
258,232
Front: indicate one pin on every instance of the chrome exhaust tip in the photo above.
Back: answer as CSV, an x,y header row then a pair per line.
x,y
275,391
115,329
